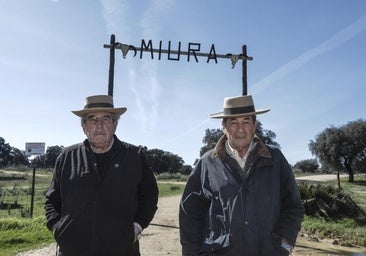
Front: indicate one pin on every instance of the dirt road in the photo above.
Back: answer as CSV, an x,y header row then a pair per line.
x,y
319,178
164,241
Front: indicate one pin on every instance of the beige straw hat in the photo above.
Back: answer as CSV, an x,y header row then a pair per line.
x,y
238,106
99,103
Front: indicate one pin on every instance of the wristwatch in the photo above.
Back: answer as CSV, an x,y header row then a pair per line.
x,y
287,247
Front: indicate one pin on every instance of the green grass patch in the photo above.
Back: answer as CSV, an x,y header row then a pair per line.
x,y
357,190
19,234
346,231
170,189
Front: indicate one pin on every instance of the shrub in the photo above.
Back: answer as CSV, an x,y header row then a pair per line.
x,y
308,165
329,203
171,176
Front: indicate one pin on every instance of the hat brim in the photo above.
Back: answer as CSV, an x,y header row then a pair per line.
x,y
116,111
222,115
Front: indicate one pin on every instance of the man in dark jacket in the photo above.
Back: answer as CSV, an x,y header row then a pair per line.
x,y
241,198
103,193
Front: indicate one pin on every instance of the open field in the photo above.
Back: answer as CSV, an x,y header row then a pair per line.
x,y
156,240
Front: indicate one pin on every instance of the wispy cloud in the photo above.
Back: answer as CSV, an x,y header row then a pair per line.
x,y
147,90
143,81
114,13
338,39
187,132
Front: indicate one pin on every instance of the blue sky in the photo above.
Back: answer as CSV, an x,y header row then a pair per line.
x,y
308,67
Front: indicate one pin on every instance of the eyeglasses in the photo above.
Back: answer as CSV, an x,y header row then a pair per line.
x,y
94,120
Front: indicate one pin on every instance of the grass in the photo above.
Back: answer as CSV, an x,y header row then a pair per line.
x,y
169,189
19,234
15,193
345,231
356,190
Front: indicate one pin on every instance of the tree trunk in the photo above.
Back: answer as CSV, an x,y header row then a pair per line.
x,y
349,169
351,176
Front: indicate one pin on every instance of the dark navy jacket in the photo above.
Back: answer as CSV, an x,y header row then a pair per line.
x,y
91,214
225,211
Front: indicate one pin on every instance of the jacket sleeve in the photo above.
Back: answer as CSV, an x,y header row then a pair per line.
x,y
147,195
292,209
192,214
53,198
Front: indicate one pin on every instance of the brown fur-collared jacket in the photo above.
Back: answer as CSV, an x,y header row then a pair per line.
x,y
227,210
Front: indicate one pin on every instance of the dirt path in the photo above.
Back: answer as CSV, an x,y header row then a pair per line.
x,y
28,173
164,241
157,240
319,178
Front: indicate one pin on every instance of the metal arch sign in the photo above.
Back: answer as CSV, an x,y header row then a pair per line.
x,y
193,50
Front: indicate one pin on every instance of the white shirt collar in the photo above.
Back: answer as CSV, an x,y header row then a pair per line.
x,y
235,154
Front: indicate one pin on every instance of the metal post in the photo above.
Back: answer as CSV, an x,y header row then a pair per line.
x,y
111,66
244,65
32,191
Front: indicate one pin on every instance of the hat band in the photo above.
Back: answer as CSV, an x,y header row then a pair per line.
x,y
241,110
98,105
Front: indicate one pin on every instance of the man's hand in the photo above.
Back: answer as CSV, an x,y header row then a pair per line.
x,y
285,245
138,230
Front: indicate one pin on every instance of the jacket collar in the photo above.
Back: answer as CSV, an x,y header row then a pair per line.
x,y
220,151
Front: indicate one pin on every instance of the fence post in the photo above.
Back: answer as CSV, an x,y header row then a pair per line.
x,y
32,191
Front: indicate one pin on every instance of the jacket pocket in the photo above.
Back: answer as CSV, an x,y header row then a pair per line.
x,y
219,246
71,235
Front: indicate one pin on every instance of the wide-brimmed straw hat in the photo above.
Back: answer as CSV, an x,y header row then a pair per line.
x,y
238,106
99,103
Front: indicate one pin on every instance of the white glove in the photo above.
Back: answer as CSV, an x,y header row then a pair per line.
x,y
138,230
